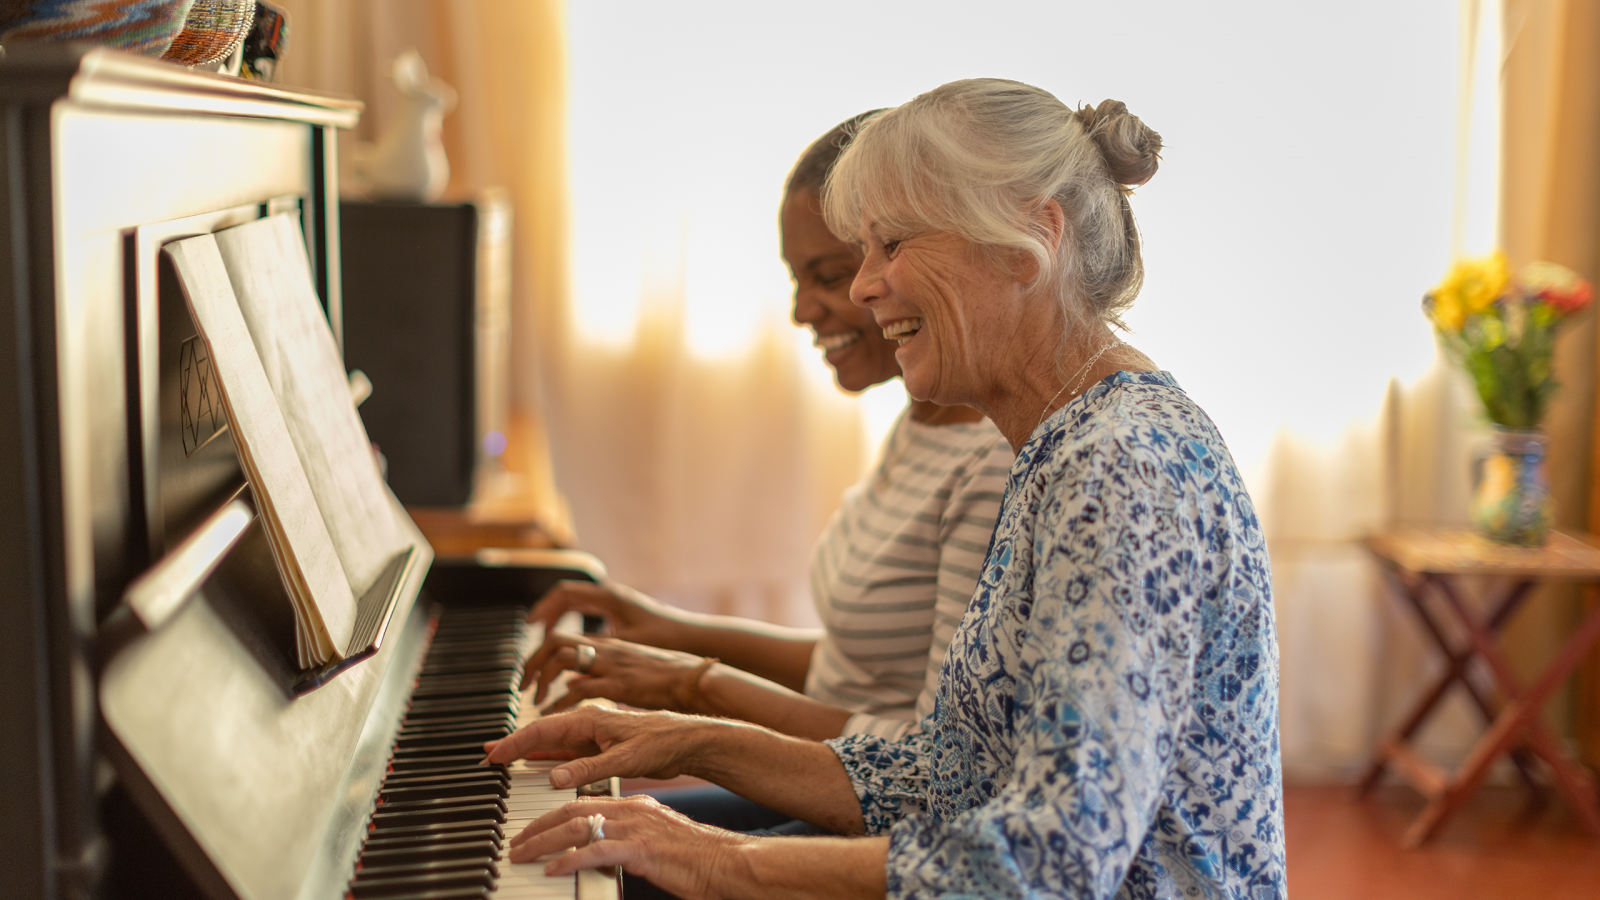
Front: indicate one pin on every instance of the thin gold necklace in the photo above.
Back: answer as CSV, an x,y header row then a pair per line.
x,y
1081,374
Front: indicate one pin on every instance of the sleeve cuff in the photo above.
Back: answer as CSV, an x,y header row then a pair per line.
x,y
877,726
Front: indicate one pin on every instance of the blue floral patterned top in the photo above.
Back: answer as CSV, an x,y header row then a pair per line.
x,y
1107,717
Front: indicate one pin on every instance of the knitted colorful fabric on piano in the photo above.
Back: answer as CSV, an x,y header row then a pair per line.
x,y
146,27
211,32
1107,717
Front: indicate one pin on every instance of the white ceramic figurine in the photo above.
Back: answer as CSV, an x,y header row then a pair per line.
x,y
409,163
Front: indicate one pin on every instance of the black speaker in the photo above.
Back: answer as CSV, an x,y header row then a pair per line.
x,y
425,313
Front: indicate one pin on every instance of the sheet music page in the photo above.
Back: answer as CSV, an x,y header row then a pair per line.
x,y
324,605
271,276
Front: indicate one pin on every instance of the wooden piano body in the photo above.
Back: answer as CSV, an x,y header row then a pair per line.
x,y
152,742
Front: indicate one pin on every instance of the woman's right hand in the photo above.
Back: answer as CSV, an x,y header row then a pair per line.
x,y
640,835
632,615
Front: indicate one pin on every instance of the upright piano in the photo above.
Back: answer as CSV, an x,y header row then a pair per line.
x,y
156,735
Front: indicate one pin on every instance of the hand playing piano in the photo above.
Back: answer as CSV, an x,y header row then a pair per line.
x,y
640,676
602,743
798,777
631,615
640,835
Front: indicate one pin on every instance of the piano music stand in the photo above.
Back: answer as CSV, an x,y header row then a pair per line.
x,y
1420,560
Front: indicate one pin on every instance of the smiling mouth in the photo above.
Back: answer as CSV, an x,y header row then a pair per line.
x,y
902,331
830,342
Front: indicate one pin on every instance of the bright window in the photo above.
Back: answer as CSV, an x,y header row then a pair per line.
x,y
1303,205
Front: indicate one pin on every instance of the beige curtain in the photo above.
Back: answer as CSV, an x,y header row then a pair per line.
x,y
1552,212
704,481
1352,658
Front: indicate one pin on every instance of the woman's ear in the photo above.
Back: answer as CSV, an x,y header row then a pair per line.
x,y
1053,221
1052,224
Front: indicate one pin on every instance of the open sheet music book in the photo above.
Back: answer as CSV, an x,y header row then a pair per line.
x,y
329,518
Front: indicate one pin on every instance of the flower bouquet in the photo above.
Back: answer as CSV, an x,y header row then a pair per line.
x,y
1502,330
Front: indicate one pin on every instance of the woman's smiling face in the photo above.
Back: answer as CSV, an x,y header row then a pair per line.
x,y
958,319
823,268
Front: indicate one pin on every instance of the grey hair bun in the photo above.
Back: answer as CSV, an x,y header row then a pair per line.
x,y
1132,150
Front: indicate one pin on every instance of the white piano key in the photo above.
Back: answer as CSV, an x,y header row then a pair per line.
x,y
531,797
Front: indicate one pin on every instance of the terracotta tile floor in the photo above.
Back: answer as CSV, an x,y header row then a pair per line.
x,y
1502,846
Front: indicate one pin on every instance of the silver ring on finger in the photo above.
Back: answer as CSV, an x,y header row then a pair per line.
x,y
586,658
597,828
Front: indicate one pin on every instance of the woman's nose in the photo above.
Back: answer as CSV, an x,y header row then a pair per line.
x,y
806,309
868,285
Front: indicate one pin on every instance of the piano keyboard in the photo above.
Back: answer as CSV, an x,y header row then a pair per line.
x,y
442,826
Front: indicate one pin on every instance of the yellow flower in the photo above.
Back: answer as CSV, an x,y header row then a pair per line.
x,y
1472,285
1445,311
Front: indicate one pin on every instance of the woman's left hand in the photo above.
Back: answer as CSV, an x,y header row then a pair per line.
x,y
640,676
599,743
640,835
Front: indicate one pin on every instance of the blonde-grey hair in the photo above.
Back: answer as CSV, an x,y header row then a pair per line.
x,y
979,157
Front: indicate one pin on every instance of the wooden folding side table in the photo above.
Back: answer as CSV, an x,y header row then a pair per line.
x,y
1424,560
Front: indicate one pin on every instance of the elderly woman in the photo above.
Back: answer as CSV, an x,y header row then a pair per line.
x,y
1106,719
891,575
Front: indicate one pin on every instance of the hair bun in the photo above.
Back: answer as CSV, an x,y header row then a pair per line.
x,y
1132,150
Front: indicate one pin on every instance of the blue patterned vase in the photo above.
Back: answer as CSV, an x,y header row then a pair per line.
x,y
1511,501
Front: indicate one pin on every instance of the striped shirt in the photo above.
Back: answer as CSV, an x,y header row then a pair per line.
x,y
893,571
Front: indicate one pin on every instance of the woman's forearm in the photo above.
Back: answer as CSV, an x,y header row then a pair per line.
x,y
731,693
778,654
794,776
818,867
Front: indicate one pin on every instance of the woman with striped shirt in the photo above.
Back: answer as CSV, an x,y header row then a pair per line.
x,y
890,576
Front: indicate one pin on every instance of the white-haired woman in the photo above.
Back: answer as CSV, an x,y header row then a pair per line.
x,y
891,574
1106,720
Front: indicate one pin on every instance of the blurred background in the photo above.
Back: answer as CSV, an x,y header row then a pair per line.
x,y
1323,165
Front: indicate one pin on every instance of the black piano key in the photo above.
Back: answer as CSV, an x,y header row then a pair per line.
x,y
391,887
481,814
456,762
474,736
402,838
382,855
491,678
443,751
431,689
473,651
469,661
443,803
449,775
459,645
467,893
491,626
431,696
428,696
424,867
455,707
429,733
400,793
444,766
443,723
